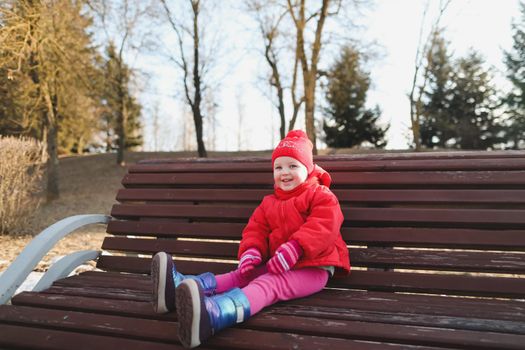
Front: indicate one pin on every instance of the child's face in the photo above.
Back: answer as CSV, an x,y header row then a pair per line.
x,y
288,173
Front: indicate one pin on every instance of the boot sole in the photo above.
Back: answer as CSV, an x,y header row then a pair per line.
x,y
193,319
158,276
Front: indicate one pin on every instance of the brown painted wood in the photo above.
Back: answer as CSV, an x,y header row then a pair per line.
x,y
481,218
398,236
16,337
176,229
435,237
365,196
370,280
93,323
434,283
265,180
384,332
371,257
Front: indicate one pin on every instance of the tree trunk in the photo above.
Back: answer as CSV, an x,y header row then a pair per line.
x,y
122,117
52,134
309,107
197,114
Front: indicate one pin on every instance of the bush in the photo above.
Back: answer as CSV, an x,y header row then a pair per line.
x,y
21,170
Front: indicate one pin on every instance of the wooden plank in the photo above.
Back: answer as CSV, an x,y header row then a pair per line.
x,y
432,283
185,194
180,248
96,292
435,237
432,196
483,218
429,217
390,236
100,305
373,196
142,265
355,162
414,304
182,211
391,178
387,258
177,229
12,336
93,323
371,257
316,322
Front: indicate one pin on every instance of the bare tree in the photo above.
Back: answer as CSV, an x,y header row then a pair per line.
x,y
194,67
301,18
269,17
419,80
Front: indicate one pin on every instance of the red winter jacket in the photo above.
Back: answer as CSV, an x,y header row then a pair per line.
x,y
309,214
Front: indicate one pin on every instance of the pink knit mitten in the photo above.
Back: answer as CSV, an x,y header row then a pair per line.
x,y
285,257
249,259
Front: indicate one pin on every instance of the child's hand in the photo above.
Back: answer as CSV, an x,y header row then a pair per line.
x,y
285,257
249,259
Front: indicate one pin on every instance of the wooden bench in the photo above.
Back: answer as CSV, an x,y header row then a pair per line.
x,y
437,245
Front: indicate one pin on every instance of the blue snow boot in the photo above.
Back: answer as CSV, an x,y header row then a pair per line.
x,y
165,279
201,316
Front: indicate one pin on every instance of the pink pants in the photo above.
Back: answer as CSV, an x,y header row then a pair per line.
x,y
263,288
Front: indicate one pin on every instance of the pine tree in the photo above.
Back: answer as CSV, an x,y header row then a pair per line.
x,y
515,100
349,122
472,105
436,125
121,109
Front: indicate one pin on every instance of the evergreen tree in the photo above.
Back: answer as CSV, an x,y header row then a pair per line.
x,y
349,122
515,62
121,109
436,125
472,105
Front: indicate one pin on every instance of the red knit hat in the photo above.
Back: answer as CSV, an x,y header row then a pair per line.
x,y
296,145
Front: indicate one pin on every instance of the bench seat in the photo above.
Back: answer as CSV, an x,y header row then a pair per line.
x,y
436,240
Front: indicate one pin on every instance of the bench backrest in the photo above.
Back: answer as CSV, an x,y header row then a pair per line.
x,y
433,223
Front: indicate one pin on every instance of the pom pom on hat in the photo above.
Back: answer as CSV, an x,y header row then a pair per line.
x,y
296,145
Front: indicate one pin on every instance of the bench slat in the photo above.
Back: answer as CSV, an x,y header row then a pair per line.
x,y
415,178
371,257
484,218
373,236
385,332
33,338
332,164
177,229
432,283
132,328
442,196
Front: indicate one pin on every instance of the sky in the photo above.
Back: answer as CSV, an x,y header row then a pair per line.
x,y
391,25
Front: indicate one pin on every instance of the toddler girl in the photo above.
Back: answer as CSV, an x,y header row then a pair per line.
x,y
289,248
